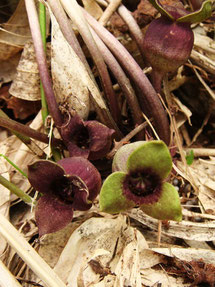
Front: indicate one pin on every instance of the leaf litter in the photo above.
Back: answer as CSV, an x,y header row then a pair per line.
x,y
103,250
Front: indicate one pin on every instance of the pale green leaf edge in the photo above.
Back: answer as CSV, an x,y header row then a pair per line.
x,y
111,198
168,206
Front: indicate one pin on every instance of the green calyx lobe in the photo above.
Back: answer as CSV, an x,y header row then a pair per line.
x,y
197,16
152,155
167,207
141,183
111,199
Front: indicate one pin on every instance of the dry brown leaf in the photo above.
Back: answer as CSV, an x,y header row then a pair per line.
x,y
52,244
14,33
183,115
26,84
188,254
101,247
93,8
184,229
8,69
67,74
203,174
154,277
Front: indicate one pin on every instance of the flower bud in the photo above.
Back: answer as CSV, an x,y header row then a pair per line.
x,y
167,44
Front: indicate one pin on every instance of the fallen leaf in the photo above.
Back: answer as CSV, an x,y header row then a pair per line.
x,y
26,84
100,248
184,229
92,7
202,172
22,109
67,72
8,69
14,33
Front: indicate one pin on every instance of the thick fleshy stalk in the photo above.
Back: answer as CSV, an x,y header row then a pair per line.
x,y
41,60
149,98
74,12
66,28
133,27
25,139
121,78
27,131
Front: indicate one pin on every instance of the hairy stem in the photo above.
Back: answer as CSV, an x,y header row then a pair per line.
x,y
66,28
27,131
74,12
121,78
41,60
133,27
26,140
149,98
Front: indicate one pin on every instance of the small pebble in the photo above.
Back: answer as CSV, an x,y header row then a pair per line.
x,y
175,182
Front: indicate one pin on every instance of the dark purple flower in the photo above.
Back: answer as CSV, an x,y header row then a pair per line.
x,y
71,184
169,39
89,139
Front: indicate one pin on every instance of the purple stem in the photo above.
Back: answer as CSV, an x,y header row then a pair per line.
x,y
134,29
41,60
71,8
27,131
156,79
66,28
121,79
149,97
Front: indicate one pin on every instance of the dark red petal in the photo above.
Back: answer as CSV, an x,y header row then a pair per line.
x,y
100,139
43,173
86,171
73,125
51,214
74,150
80,193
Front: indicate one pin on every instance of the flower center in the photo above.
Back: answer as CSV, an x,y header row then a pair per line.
x,y
142,186
64,189
81,138
142,183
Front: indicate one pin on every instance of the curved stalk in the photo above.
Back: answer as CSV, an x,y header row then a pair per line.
x,y
74,12
121,78
66,28
149,98
41,60
26,140
27,131
133,27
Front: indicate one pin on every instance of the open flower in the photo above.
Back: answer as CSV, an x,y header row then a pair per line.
x,y
141,169
71,184
169,39
89,139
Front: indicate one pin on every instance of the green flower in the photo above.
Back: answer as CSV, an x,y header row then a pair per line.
x,y
140,170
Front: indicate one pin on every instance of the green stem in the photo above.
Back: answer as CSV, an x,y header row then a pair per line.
x,y
42,20
14,189
14,165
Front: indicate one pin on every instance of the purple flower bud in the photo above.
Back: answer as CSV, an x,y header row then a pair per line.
x,y
167,44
